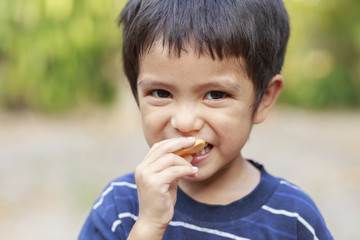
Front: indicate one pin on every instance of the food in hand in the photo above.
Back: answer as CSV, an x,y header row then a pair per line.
x,y
197,147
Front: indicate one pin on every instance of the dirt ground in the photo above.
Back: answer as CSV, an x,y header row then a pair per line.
x,y
52,169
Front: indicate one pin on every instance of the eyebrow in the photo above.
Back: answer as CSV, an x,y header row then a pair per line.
x,y
221,86
147,83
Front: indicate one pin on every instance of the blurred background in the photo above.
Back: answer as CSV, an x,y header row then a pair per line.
x,y
69,124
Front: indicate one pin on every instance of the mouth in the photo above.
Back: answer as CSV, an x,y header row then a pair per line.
x,y
206,149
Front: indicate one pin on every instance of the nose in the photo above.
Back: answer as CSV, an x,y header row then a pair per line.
x,y
186,119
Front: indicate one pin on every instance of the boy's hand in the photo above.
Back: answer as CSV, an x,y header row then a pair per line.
x,y
157,179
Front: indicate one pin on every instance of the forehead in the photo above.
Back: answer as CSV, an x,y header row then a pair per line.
x,y
161,55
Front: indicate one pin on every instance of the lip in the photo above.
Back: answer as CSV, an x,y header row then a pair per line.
x,y
197,159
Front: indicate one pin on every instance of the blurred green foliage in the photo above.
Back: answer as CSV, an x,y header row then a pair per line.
x,y
57,55
322,69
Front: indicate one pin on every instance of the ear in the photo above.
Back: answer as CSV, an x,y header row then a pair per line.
x,y
267,102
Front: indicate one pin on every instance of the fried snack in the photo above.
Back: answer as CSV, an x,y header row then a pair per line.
x,y
197,147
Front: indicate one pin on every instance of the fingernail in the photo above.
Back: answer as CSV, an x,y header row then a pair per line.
x,y
188,158
195,169
191,139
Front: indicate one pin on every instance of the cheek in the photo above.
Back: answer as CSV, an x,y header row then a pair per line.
x,y
233,132
153,123
234,139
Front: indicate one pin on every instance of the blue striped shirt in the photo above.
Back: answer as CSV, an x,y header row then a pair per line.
x,y
275,209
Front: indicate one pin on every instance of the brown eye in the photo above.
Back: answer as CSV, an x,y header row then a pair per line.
x,y
159,93
215,95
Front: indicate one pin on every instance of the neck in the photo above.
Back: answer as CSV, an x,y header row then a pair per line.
x,y
234,181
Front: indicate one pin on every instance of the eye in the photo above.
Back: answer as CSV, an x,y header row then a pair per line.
x,y
160,93
215,95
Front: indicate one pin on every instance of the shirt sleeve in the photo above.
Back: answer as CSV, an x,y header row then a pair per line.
x,y
114,212
95,228
317,230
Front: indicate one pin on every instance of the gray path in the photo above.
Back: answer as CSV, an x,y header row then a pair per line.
x,y
52,169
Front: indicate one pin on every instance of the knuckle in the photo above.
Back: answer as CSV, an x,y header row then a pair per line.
x,y
156,146
139,173
175,171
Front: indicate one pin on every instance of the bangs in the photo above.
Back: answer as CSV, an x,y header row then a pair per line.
x,y
205,26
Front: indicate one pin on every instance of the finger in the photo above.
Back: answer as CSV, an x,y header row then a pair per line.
x,y
168,146
162,181
166,161
172,174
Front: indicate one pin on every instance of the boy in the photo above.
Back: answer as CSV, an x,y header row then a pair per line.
x,y
203,69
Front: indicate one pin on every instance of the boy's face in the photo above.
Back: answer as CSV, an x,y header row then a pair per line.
x,y
200,97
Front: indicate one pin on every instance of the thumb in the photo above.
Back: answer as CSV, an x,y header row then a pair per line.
x,y
188,158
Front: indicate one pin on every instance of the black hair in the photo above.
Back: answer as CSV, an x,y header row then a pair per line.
x,y
256,30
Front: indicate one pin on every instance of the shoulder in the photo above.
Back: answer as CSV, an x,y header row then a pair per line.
x,y
289,203
290,197
117,201
122,188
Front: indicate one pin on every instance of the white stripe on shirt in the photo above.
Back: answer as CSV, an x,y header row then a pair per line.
x,y
292,214
289,184
180,224
122,215
206,230
110,188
